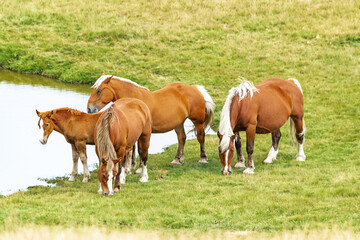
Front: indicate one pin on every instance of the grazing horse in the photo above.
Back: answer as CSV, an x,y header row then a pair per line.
x,y
78,130
263,108
127,120
169,107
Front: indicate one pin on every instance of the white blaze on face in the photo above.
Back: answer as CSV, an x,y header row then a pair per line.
x,y
226,161
109,183
42,139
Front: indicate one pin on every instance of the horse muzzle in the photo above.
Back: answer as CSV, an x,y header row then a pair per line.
x,y
43,141
92,109
226,172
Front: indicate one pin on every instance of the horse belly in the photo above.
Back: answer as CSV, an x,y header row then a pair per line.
x,y
168,117
272,116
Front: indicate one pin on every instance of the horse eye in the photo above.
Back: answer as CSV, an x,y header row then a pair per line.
x,y
46,125
98,91
103,175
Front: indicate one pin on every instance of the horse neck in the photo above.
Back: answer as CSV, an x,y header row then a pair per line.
x,y
128,90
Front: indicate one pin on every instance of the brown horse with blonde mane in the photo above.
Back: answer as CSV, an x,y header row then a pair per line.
x,y
263,108
169,107
126,121
78,130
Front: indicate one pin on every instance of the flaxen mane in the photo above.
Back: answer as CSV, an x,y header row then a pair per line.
x,y
104,77
103,143
243,90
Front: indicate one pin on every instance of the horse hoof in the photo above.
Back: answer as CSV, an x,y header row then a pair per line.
x,y
268,160
71,179
176,162
248,171
143,180
300,158
203,160
239,165
116,189
138,171
85,180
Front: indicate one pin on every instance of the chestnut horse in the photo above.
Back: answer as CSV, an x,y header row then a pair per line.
x,y
78,130
263,108
126,121
169,107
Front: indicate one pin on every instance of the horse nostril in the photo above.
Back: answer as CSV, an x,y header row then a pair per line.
x,y
89,110
105,194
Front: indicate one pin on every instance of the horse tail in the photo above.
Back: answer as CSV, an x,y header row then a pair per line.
x,y
293,130
243,90
103,143
292,124
209,107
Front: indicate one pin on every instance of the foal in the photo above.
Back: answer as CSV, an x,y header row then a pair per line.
x,y
263,108
78,130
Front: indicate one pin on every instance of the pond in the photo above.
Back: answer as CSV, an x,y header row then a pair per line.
x,y
24,161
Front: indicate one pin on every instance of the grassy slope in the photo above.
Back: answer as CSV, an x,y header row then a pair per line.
x,y
210,43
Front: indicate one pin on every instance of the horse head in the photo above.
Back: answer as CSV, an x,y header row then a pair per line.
x,y
106,174
48,125
226,153
101,95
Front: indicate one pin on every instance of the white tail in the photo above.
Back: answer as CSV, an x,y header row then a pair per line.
x,y
209,107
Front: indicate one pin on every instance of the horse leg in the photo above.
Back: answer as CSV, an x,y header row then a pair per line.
x,y
143,146
200,135
181,135
133,158
82,152
75,156
240,157
117,179
275,147
120,175
250,138
139,170
300,137
128,162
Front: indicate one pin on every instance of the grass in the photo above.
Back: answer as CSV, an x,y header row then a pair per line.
x,y
210,43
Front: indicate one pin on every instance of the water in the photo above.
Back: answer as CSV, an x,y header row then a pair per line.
x,y
24,161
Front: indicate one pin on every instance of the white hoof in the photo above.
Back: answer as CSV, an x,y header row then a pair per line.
x,y
71,178
122,180
85,179
127,171
100,190
240,165
143,179
300,158
248,171
139,170
269,160
177,162
203,160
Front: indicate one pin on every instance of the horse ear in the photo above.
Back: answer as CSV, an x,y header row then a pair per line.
x,y
218,134
232,137
38,113
107,80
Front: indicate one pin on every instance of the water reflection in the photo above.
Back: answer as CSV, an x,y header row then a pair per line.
x,y
24,160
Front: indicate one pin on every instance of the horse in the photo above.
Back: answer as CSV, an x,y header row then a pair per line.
x,y
262,108
78,130
169,107
118,128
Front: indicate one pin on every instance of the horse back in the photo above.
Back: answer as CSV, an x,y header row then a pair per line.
x,y
134,119
175,102
270,107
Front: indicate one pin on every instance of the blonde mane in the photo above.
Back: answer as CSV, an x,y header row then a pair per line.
x,y
64,109
103,143
243,90
104,77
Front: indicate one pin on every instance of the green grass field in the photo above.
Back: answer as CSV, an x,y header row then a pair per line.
x,y
211,43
